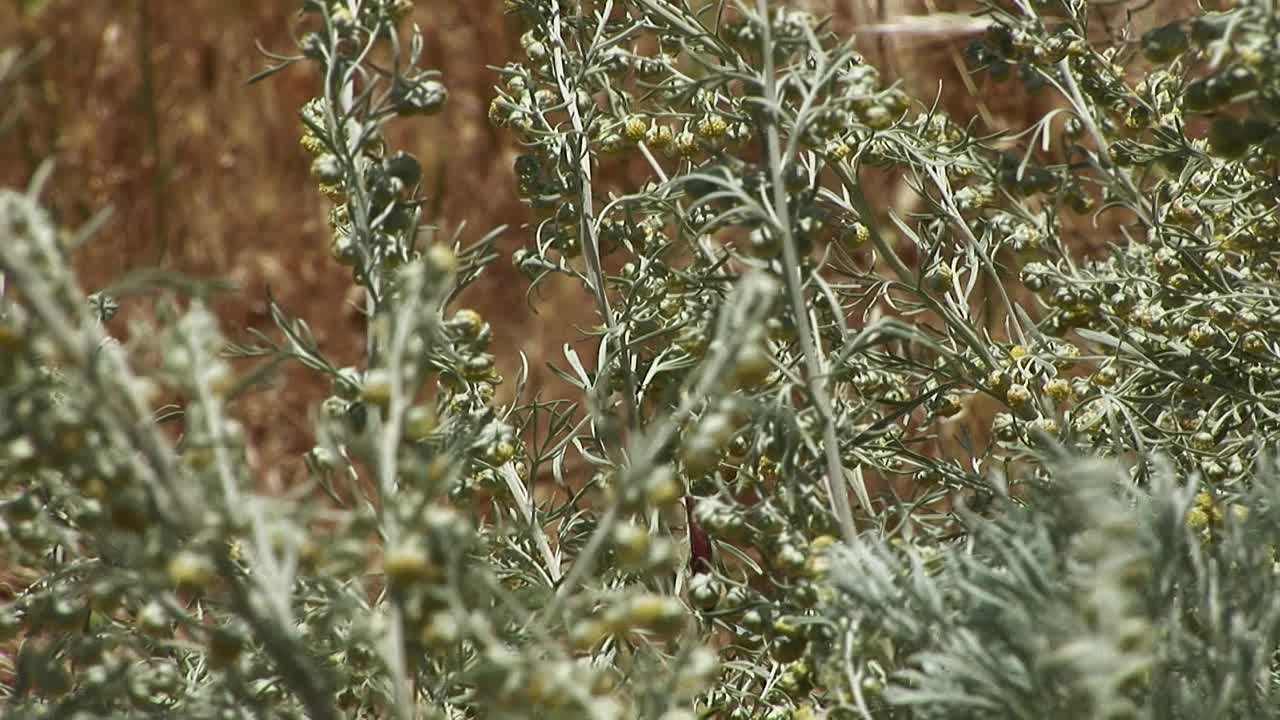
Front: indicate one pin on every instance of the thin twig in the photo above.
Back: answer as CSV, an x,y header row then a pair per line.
x,y
836,478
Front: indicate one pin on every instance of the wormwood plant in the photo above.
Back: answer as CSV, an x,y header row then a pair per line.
x,y
759,129
1097,601
765,397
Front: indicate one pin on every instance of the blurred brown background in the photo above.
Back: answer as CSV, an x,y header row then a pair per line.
x,y
144,105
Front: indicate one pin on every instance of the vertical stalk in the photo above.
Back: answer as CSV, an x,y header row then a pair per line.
x,y
151,117
795,289
587,230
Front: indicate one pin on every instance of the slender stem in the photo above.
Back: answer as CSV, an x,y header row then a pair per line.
x,y
645,463
957,219
76,339
387,469
586,226
904,273
701,247
294,663
81,344
814,372
160,170
586,560
527,511
1086,116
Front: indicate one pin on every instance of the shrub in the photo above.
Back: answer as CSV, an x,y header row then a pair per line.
x,y
1089,603
750,505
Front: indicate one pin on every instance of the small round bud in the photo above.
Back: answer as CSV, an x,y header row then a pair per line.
x,y
441,258
376,388
1058,389
190,570
426,97
153,619
407,565
327,169
634,128
1017,395
419,422
662,488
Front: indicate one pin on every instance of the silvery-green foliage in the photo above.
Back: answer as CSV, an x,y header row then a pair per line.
x,y
169,584
743,507
1093,599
